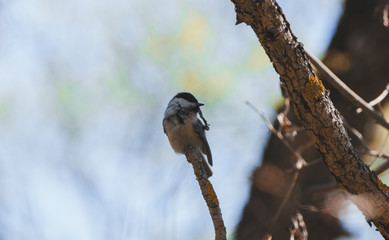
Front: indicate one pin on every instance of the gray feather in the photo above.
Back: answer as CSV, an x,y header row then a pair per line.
x,y
199,129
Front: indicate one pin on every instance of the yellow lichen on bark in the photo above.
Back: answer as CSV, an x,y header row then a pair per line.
x,y
382,185
197,171
314,89
211,193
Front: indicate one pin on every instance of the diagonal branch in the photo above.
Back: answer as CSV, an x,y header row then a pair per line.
x,y
315,110
347,92
195,158
380,97
300,162
297,166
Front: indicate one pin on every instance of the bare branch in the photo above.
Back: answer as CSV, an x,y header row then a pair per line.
x,y
297,166
298,230
267,237
286,198
285,124
195,158
385,17
315,110
381,169
357,134
377,154
381,97
378,100
367,151
382,147
300,162
346,91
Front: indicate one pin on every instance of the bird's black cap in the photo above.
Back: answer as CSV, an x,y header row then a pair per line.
x,y
189,97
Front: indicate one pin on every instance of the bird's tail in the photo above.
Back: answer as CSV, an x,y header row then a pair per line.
x,y
207,167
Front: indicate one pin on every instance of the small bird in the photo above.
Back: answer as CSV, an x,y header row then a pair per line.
x,y
183,128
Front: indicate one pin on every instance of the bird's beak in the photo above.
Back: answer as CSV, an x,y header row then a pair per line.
x,y
200,104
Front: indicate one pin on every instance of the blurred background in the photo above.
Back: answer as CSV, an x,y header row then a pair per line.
x,y
83,88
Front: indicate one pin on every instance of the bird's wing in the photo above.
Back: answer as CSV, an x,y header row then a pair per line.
x,y
163,125
198,128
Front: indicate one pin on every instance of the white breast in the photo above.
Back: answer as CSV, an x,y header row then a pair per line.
x,y
182,135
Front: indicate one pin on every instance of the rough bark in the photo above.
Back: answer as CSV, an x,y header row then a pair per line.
x,y
319,117
196,159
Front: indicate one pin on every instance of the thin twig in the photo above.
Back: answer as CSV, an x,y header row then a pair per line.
x,y
300,163
382,146
381,169
285,124
298,231
377,154
286,198
378,99
195,158
357,134
346,91
367,151
381,97
300,160
358,101
314,162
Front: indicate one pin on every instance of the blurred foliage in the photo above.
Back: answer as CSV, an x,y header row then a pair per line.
x,y
188,53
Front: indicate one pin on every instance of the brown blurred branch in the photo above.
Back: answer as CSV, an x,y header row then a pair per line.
x,y
381,169
297,166
366,151
195,158
300,162
315,110
298,230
